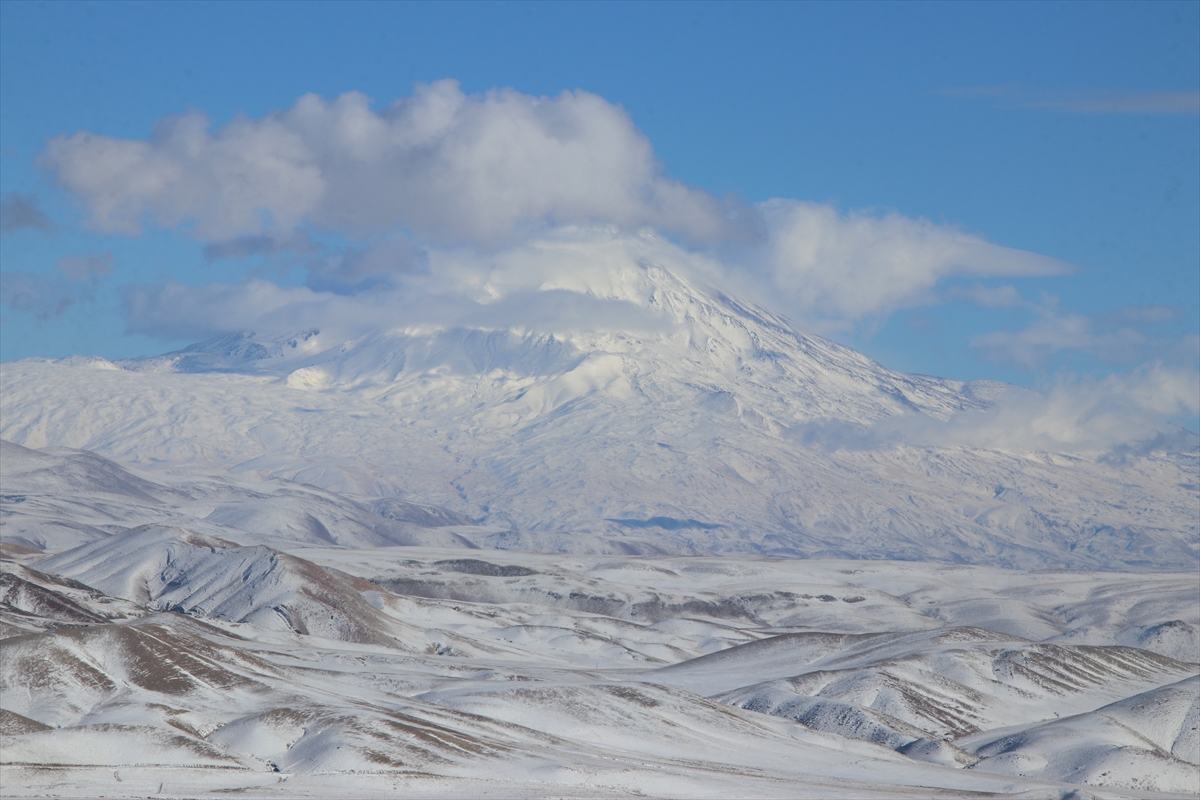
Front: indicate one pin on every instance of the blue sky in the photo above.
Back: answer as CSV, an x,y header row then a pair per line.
x,y
1069,131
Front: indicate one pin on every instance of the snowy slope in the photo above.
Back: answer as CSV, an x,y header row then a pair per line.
x,y
52,500
538,674
300,565
173,569
32,601
820,598
166,704
951,684
646,406
1149,742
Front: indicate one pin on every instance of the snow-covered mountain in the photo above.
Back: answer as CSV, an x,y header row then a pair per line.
x,y
629,401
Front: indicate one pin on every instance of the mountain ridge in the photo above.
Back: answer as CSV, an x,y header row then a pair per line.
x,y
731,427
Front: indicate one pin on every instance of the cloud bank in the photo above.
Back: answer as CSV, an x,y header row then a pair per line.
x,y
1119,415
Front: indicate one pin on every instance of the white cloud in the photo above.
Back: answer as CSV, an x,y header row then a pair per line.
x,y
1119,414
1032,347
827,265
568,279
178,311
857,267
193,313
602,262
1074,415
495,172
443,164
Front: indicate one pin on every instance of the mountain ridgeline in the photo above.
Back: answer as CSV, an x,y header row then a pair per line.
x,y
690,422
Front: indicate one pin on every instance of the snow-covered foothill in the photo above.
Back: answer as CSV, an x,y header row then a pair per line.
x,y
1149,742
173,569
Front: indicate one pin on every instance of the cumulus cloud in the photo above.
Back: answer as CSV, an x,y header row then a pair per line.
x,y
443,164
602,262
20,211
848,266
442,169
176,311
857,267
571,278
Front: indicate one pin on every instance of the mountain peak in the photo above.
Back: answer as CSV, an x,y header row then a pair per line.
x,y
642,330
614,394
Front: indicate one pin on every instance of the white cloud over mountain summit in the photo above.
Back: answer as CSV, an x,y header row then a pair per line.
x,y
444,170
506,210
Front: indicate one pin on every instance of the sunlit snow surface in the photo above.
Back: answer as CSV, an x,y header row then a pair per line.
x,y
163,660
672,560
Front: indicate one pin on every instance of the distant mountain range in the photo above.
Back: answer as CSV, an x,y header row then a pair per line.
x,y
651,409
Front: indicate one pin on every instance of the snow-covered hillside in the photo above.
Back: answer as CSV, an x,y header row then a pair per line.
x,y
249,653
641,538
54,500
639,403
173,569
193,666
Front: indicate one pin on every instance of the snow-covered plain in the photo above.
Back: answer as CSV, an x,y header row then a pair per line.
x,y
687,558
